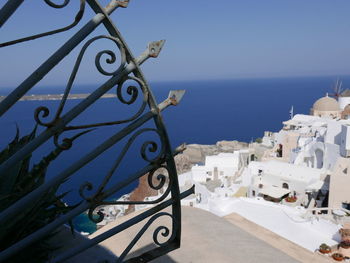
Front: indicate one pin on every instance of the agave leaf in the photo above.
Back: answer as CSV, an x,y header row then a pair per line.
x,y
29,220
36,215
8,179
16,144
32,215
4,152
26,162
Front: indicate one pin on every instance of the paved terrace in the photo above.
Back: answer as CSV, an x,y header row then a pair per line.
x,y
209,238
205,238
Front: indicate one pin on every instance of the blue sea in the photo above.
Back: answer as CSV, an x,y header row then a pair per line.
x,y
210,111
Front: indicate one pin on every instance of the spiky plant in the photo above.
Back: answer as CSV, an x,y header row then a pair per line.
x,y
17,182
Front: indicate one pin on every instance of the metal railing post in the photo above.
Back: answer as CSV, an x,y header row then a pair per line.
x,y
8,9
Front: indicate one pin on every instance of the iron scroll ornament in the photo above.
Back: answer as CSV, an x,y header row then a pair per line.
x,y
129,70
131,90
44,111
78,17
160,230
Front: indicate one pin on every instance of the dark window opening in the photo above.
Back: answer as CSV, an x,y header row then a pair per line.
x,y
285,186
279,150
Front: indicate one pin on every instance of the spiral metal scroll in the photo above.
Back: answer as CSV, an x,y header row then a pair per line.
x,y
161,180
163,231
157,155
54,5
68,142
77,19
133,92
43,112
97,199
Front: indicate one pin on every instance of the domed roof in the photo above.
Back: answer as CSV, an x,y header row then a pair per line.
x,y
326,104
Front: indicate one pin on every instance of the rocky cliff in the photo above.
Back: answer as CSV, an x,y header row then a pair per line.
x,y
195,153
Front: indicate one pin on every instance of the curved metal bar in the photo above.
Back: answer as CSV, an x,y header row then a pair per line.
x,y
21,204
125,225
161,178
156,233
56,57
83,206
100,195
97,201
175,192
92,215
68,142
131,67
52,4
133,92
60,124
86,186
154,148
113,31
44,111
175,196
77,19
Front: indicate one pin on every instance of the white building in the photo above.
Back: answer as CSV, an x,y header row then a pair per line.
x,y
315,150
345,140
308,161
219,167
274,180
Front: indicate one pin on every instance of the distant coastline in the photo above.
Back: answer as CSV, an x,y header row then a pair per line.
x,y
59,96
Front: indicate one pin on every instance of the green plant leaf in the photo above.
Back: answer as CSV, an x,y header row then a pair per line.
x,y
8,179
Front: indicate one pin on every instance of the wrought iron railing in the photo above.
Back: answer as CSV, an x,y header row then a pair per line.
x,y
127,70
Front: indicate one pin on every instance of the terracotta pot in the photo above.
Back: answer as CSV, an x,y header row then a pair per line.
x,y
290,200
344,245
337,258
324,251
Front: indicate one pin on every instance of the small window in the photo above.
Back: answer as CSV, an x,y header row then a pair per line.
x,y
252,157
253,193
346,206
285,186
279,151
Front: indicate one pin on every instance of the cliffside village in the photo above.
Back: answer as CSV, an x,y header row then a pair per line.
x,y
294,182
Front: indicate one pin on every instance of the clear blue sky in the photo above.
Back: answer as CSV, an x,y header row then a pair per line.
x,y
205,39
